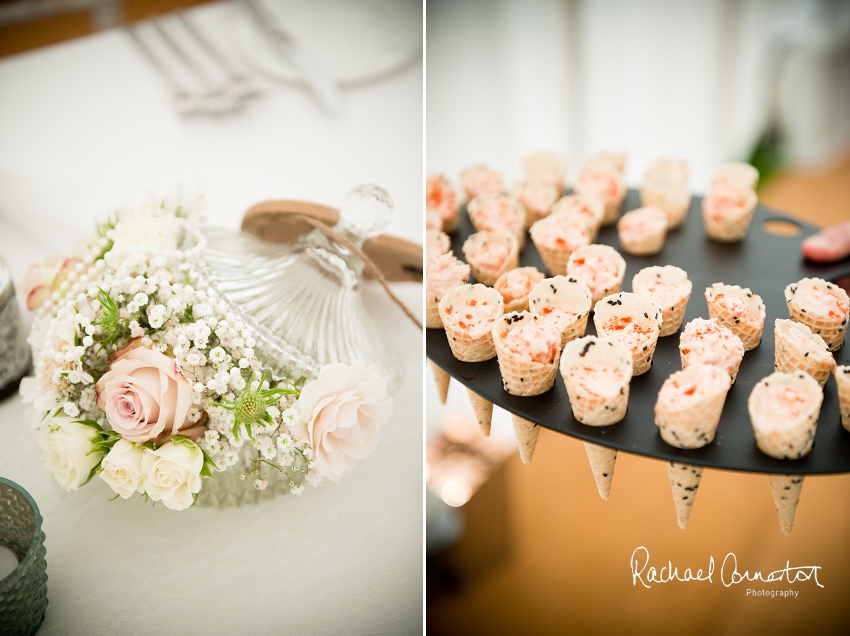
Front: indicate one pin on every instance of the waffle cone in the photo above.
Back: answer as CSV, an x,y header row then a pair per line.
x,y
786,491
476,210
441,379
483,411
732,371
750,334
466,347
585,211
643,312
432,313
673,318
602,460
796,439
674,199
832,330
554,260
684,481
526,436
479,239
531,274
567,290
438,240
729,227
645,245
590,408
612,210
520,374
671,315
450,222
605,252
842,380
790,356
693,424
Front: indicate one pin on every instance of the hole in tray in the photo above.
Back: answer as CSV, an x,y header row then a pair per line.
x,y
781,227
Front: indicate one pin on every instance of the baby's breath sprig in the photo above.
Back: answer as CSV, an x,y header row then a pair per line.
x,y
251,407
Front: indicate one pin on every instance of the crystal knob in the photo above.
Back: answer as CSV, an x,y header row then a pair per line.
x,y
365,212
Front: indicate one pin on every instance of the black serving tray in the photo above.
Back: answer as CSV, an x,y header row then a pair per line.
x,y
765,263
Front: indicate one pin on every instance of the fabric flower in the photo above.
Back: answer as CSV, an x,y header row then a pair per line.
x,y
64,451
144,395
173,473
122,468
340,415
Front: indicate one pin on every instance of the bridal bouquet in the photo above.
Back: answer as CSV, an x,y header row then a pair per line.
x,y
147,379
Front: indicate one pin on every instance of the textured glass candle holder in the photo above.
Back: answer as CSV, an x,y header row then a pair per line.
x,y
23,593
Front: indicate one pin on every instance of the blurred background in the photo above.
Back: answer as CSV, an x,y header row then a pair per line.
x,y
533,549
29,24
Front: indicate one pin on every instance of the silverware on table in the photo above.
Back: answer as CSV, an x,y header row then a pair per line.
x,y
217,97
202,78
241,84
317,79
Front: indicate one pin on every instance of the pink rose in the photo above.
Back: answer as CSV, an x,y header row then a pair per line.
x,y
145,396
341,413
43,278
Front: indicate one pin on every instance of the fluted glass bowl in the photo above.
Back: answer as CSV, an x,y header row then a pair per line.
x,y
303,303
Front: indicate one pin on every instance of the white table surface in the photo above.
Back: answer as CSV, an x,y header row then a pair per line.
x,y
87,126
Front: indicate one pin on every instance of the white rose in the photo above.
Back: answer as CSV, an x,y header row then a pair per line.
x,y
173,473
64,450
340,414
122,468
142,234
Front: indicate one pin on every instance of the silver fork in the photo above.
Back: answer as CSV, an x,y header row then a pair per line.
x,y
240,83
186,101
216,99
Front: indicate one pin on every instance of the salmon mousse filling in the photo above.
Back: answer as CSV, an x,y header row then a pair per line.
x,y
437,243
706,342
480,180
440,197
596,378
600,267
490,253
643,231
585,211
528,349
738,309
537,196
532,340
517,283
475,317
669,288
444,273
784,409
497,212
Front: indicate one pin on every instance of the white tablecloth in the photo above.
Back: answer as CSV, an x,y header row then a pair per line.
x,y
87,126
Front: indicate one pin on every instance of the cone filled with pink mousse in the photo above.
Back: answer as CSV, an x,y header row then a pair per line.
x,y
784,410
633,321
597,373
687,413
528,349
468,313
565,302
442,274
798,349
669,288
739,310
822,306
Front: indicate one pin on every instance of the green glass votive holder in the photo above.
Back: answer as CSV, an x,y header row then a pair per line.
x,y
23,591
